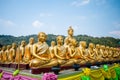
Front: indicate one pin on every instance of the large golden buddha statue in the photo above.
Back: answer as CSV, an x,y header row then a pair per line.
x,y
28,51
7,52
40,52
12,54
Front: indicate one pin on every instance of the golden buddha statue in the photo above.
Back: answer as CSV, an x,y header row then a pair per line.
x,y
4,57
0,55
69,38
12,54
102,51
40,52
115,54
28,51
106,53
7,52
83,52
60,51
91,52
51,49
20,52
98,53
59,54
72,54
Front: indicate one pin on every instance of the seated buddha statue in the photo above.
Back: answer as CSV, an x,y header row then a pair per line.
x,y
28,51
4,56
102,50
7,52
20,52
115,54
12,54
0,54
110,54
91,53
83,52
98,53
72,54
51,49
40,52
106,53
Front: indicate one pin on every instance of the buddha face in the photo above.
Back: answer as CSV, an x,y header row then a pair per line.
x,y
97,46
70,31
8,47
83,44
91,45
14,45
31,40
42,37
23,43
74,42
53,43
60,39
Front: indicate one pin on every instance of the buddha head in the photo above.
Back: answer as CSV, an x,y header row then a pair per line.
x,y
91,45
14,45
52,43
70,31
97,46
31,40
82,44
59,39
42,37
8,47
23,43
74,42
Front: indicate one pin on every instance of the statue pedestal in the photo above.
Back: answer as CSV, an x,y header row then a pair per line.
x,y
7,65
13,66
76,67
40,70
56,69
24,66
66,67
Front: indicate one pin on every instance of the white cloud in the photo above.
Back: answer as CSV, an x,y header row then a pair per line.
x,y
78,3
37,23
45,15
117,33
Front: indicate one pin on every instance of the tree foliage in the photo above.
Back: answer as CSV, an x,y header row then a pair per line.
x,y
107,41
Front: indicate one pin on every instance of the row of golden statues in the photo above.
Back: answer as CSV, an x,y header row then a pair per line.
x,y
40,55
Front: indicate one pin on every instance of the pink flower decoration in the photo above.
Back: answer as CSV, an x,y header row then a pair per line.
x,y
49,76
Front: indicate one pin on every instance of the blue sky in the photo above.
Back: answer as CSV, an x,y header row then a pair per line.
x,y
98,18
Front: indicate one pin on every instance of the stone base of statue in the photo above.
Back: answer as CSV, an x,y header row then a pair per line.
x,y
76,67
24,66
56,69
66,67
7,65
39,70
14,65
